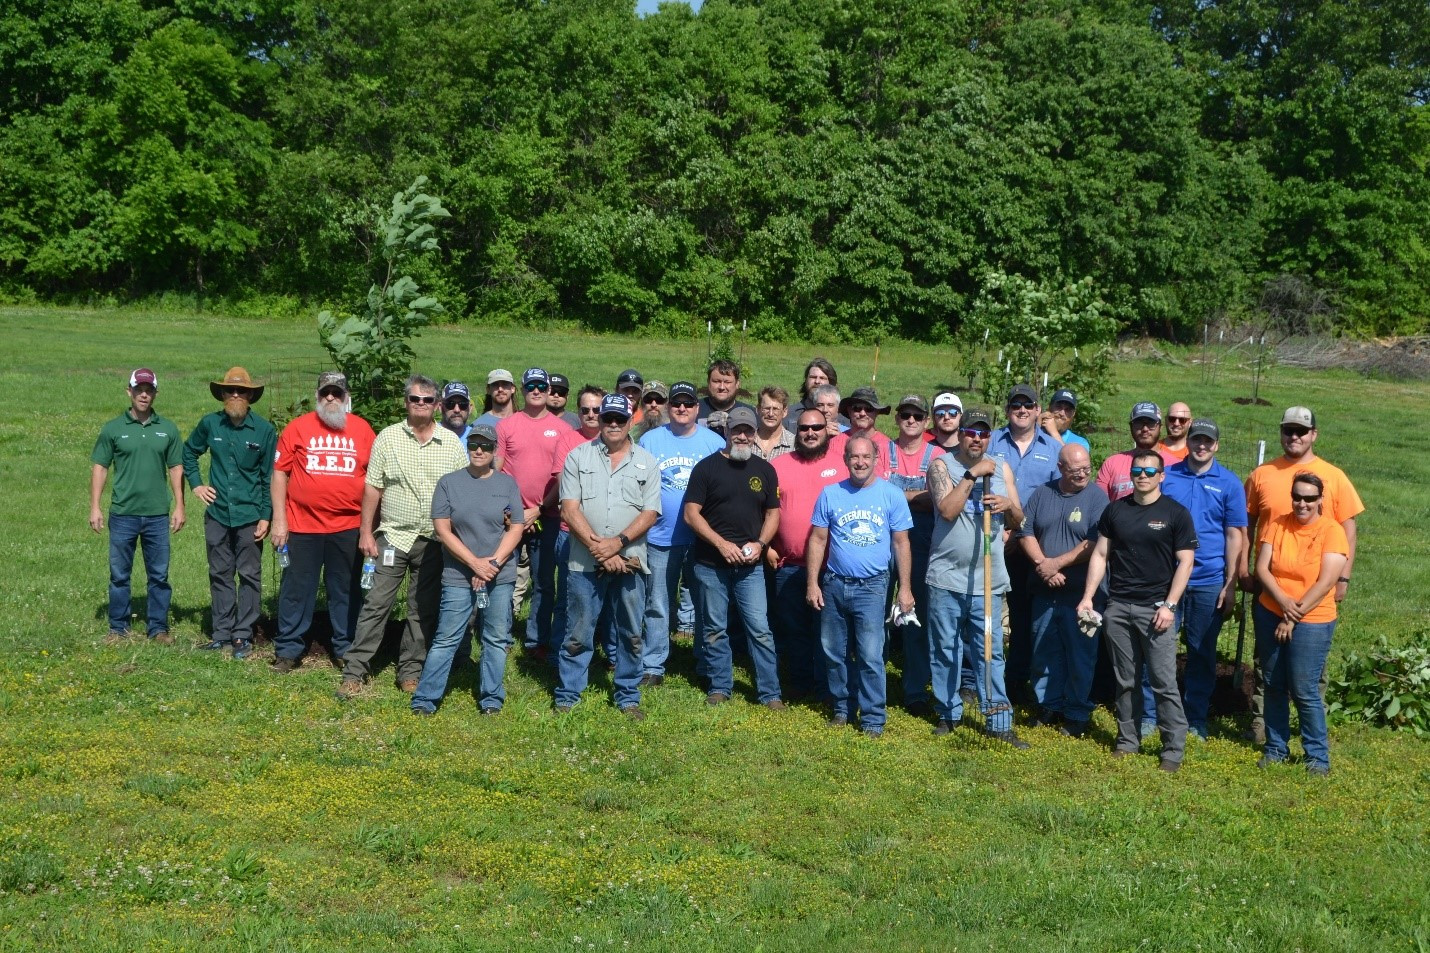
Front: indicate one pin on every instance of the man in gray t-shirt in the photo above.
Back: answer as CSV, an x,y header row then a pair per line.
x,y
1058,533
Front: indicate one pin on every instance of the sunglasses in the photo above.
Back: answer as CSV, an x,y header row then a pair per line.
x,y
975,433
1021,405
609,419
453,403
913,415
481,447
941,414
536,385
1294,431
590,411
812,428
331,393
1179,420
654,399
420,399
682,404
1298,498
235,391
1142,423
1145,471
861,409
560,391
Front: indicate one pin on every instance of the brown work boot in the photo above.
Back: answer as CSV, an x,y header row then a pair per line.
x,y
163,637
351,687
774,704
283,665
408,685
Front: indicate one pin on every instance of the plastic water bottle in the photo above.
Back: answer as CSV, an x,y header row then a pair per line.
x,y
483,598
284,560
369,572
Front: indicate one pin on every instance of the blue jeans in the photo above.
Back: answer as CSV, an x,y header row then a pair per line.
x,y
587,593
1063,659
458,603
560,620
152,532
745,585
666,565
916,644
854,613
541,557
956,629
796,628
335,557
1293,674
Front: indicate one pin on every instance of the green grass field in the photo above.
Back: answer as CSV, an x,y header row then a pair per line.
x,y
159,798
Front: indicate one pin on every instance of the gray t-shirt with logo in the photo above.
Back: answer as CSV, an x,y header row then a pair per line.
x,y
479,509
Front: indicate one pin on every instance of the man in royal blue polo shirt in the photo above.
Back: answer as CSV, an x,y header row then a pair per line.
x,y
1217,502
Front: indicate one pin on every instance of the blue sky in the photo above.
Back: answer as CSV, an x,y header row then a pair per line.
x,y
648,6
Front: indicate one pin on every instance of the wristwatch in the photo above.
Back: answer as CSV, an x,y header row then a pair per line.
x,y
1169,606
967,475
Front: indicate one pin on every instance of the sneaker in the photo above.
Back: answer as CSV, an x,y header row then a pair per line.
x,y
774,704
633,712
407,685
242,648
212,646
1010,737
162,637
283,665
1073,729
716,698
838,721
1168,765
489,711
350,687
943,727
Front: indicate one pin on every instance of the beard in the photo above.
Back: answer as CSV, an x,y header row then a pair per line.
x,y
236,408
740,452
333,417
811,453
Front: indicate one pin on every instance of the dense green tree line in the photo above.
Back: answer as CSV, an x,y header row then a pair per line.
x,y
817,167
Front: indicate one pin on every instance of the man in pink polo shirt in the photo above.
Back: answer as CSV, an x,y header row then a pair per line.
x,y
1115,475
802,475
526,447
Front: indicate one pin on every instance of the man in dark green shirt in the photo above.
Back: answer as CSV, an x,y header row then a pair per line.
x,y
144,449
241,446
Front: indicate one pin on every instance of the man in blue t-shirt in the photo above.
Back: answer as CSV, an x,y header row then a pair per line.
x,y
858,523
1217,501
677,447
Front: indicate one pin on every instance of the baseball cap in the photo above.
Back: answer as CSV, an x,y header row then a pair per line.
x,y
684,389
741,416
717,420
948,399
1296,416
535,375
1145,410
482,433
1203,427
333,379
654,387
977,416
559,382
630,377
500,376
1064,396
914,401
616,404
1025,391
143,376
456,389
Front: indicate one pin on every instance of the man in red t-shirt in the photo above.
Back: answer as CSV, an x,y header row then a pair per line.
x,y
526,448
802,475
317,488
1115,474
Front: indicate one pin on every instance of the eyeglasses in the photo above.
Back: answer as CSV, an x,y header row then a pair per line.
x,y
946,413
912,415
559,392
536,385
1298,498
1178,420
453,403
235,391
681,404
421,399
1143,423
1145,471
331,393
590,411
1021,405
1294,431
1077,471
975,433
481,448
861,409
812,428
609,419
654,399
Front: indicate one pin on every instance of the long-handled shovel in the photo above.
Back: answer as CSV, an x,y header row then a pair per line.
x,y
988,594
1237,670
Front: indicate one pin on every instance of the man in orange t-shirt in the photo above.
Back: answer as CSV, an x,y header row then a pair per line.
x,y
1268,497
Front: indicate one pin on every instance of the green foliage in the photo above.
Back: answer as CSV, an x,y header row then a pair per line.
x,y
1386,686
371,347
1020,330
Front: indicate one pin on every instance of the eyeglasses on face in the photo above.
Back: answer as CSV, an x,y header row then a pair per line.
x,y
609,419
941,414
975,433
1294,431
912,415
454,403
1299,498
1145,471
812,428
1022,405
421,399
1077,471
1178,420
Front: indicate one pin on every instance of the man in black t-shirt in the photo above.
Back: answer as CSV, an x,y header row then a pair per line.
x,y
1147,545
732,504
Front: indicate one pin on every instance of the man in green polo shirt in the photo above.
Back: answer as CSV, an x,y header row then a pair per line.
x,y
144,449
241,446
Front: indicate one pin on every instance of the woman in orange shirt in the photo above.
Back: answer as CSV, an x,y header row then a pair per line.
x,y
1299,558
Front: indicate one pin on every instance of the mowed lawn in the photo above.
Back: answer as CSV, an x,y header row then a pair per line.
x,y
161,798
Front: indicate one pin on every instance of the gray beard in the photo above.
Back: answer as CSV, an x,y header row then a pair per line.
x,y
334,418
741,453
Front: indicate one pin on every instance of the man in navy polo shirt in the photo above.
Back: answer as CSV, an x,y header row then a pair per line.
x,y
1217,502
1032,456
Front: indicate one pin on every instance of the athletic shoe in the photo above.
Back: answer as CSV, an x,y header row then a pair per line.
x,y
242,648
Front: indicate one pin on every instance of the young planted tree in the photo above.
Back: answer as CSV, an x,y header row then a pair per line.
x,y
371,347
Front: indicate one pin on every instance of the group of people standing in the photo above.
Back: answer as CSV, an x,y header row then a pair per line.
x,y
800,535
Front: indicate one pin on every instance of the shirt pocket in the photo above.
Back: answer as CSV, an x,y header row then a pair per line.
x,y
633,491
588,480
